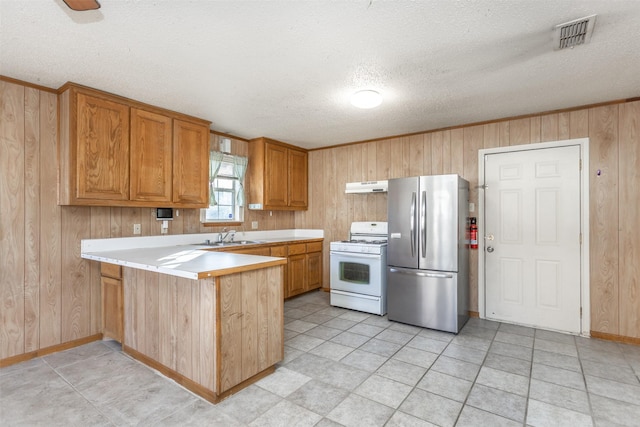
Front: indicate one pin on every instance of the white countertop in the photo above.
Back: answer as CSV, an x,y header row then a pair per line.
x,y
181,255
184,261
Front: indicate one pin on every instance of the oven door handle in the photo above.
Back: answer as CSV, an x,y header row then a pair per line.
x,y
355,255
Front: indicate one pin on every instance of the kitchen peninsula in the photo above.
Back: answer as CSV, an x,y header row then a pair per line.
x,y
212,321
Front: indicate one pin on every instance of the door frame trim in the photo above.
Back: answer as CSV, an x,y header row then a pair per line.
x,y
583,143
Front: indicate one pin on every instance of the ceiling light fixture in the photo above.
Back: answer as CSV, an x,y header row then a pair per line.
x,y
366,99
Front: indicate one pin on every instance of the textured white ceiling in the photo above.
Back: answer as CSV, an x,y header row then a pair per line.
x,y
286,69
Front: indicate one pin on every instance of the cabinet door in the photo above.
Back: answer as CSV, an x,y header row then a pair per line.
x,y
151,156
112,308
298,177
276,178
102,151
296,274
314,270
190,163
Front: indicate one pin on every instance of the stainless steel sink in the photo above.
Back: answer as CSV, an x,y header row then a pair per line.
x,y
225,244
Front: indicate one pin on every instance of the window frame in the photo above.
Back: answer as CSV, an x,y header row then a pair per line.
x,y
239,210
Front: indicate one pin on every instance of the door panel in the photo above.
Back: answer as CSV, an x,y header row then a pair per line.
x,y
441,228
403,202
532,223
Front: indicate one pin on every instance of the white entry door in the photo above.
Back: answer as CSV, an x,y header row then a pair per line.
x,y
532,232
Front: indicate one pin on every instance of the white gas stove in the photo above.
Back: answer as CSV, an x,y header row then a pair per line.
x,y
358,268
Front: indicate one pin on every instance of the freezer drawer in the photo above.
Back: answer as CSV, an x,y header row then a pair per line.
x,y
430,299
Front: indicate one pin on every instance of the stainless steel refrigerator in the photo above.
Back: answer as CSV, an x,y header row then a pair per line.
x,y
427,252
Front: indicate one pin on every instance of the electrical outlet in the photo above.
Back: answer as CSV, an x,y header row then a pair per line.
x,y
254,225
137,228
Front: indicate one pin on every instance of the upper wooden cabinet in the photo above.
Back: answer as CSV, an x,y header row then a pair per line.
x,y
117,152
190,171
277,176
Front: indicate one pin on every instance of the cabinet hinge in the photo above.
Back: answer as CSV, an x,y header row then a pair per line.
x,y
580,164
581,312
581,238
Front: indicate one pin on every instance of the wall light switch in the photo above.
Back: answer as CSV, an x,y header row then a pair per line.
x,y
472,207
254,225
137,228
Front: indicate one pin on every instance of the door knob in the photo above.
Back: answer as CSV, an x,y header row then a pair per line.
x,y
489,249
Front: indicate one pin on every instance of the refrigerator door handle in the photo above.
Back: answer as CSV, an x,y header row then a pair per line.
x,y
412,223
423,224
422,273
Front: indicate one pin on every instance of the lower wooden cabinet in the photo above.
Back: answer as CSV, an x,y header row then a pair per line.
x,y
304,270
112,301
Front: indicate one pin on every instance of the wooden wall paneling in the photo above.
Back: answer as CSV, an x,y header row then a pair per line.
x,y
535,130
504,132
342,174
416,155
549,127
249,323
50,258
183,326
436,152
519,131
12,251
457,151
152,314
629,246
208,316
396,160
491,134
176,226
31,219
473,141
115,221
76,274
330,202
318,188
427,154
383,171
564,126
100,228
191,221
446,152
357,173
579,122
603,218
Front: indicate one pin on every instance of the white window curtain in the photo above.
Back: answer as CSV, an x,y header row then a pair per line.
x,y
239,170
215,160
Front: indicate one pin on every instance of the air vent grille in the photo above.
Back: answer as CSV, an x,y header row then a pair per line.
x,y
574,33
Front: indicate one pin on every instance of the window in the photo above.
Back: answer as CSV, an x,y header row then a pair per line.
x,y
226,191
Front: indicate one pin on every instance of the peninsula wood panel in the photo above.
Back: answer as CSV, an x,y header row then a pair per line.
x,y
456,150
178,327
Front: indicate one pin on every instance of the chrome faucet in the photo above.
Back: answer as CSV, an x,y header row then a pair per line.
x,y
222,238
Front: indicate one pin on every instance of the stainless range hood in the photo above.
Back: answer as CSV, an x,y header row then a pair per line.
x,y
367,187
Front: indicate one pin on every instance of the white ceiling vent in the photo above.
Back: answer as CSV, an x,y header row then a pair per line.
x,y
573,33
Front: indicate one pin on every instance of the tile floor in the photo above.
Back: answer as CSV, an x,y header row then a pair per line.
x,y
349,368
